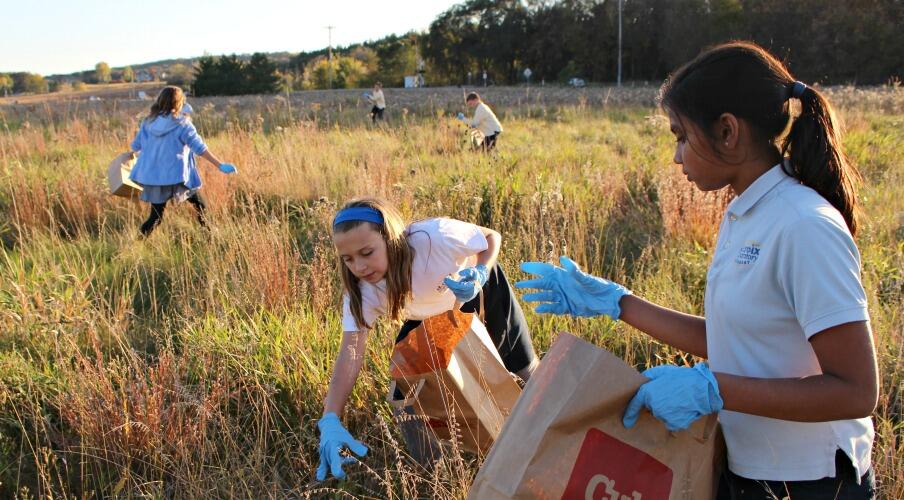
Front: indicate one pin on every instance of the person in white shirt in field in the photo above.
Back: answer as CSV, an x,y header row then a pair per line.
x,y
379,101
484,120
791,365
403,271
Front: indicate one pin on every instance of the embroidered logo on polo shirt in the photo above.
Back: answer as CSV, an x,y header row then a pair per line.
x,y
748,254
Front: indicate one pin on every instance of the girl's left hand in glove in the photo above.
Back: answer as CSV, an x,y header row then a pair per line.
x,y
472,280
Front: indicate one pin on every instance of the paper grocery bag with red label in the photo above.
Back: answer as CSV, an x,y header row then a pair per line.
x,y
565,438
450,372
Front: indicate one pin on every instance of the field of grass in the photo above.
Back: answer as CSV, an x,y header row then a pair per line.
x,y
194,363
96,90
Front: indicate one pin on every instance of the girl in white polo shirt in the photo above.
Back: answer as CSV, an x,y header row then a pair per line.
x,y
792,369
404,273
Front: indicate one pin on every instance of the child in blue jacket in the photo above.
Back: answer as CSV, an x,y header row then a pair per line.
x,y
165,169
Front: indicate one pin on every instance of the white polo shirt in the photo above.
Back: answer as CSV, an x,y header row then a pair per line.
x,y
441,247
785,268
485,120
378,100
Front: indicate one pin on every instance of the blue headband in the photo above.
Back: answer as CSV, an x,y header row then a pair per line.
x,y
797,90
358,213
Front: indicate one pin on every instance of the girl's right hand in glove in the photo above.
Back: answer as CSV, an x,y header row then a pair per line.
x,y
333,438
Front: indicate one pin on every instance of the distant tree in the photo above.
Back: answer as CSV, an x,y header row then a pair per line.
x,y
88,76
224,75
303,60
231,70
351,74
58,86
102,72
480,35
179,74
322,73
78,85
343,73
261,76
207,77
6,84
128,75
287,81
397,57
29,82
368,57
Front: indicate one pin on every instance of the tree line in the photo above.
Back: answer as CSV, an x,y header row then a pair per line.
x,y
825,41
388,59
229,75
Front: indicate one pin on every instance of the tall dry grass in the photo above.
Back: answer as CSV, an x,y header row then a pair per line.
x,y
194,363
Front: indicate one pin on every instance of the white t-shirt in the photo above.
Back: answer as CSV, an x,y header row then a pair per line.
x,y
378,100
485,120
441,247
785,268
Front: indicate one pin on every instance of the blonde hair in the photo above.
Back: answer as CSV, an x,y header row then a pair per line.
x,y
399,255
169,100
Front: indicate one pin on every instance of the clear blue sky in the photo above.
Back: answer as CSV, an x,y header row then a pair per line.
x,y
64,36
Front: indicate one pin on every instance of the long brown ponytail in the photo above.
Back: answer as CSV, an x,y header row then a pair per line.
x,y
745,80
817,158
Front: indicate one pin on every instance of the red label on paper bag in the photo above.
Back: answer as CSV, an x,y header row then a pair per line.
x,y
608,469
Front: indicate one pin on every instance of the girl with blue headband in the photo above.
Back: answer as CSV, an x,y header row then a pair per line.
x,y
166,168
791,364
403,272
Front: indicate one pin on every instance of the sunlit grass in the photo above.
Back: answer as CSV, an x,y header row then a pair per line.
x,y
194,363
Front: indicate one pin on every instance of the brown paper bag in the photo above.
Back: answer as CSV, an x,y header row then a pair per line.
x,y
118,177
565,438
450,372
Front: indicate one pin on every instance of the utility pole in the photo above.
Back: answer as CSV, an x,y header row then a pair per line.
x,y
329,73
619,40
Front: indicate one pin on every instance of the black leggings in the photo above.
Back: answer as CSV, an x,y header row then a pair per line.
x,y
376,114
841,487
158,208
504,320
489,142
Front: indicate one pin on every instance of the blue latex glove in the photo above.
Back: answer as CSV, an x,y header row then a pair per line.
x,y
568,290
366,95
228,168
334,437
460,116
676,395
472,280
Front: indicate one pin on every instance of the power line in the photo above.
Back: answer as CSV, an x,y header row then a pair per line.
x,y
329,70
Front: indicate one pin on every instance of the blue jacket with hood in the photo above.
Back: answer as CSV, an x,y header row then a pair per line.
x,y
166,144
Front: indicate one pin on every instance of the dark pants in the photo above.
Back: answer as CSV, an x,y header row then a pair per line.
x,y
504,320
158,208
489,141
841,487
376,113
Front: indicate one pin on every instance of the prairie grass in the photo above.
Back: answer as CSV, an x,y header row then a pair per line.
x,y
194,363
